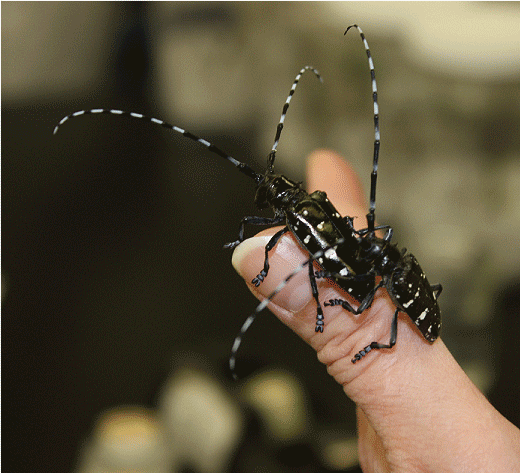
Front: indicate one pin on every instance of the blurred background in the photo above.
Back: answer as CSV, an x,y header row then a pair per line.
x,y
119,304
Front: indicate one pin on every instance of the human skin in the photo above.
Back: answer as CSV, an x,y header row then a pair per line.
x,y
417,410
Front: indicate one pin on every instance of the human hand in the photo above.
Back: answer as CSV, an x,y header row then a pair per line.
x,y
417,410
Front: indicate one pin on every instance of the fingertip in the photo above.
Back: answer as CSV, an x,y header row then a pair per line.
x,y
286,257
241,258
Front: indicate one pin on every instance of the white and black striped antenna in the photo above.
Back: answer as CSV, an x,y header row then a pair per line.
x,y
377,138
279,127
242,167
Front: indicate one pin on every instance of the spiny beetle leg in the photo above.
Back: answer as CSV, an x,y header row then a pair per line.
x,y
377,345
270,245
252,221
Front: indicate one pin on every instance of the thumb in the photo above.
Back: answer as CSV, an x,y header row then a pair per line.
x,y
295,305
416,399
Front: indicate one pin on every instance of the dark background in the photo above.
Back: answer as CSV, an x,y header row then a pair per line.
x,y
112,259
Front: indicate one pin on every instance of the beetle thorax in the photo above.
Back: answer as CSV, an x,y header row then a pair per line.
x,y
278,192
379,253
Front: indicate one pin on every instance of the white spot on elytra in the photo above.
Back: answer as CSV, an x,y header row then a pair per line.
x,y
320,225
307,239
331,254
407,304
423,314
344,272
305,212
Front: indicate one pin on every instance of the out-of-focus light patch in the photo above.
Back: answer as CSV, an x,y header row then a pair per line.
x,y
211,73
280,400
341,453
472,39
202,419
125,431
40,41
126,438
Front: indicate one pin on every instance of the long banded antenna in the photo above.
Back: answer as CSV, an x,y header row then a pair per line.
x,y
270,159
242,167
373,181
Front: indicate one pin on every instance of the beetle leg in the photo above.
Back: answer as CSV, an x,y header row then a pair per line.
x,y
270,245
319,310
252,221
377,345
364,231
436,289
365,303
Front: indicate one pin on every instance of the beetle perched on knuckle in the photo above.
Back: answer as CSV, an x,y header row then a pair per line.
x,y
358,261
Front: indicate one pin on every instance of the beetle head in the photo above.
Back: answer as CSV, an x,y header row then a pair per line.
x,y
276,191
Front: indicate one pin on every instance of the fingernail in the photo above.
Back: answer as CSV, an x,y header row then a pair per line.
x,y
245,248
248,261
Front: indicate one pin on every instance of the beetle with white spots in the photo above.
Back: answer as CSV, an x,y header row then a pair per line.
x,y
351,258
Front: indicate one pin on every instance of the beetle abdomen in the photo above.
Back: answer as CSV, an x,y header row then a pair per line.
x,y
412,293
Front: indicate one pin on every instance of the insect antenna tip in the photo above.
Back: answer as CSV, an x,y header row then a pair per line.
x,y
351,26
